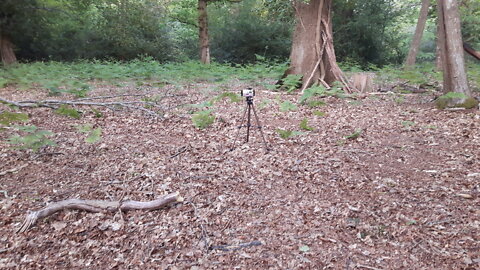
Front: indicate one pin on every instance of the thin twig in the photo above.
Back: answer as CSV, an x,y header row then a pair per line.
x,y
14,170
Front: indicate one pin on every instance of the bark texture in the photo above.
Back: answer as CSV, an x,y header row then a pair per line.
x,y
313,54
455,77
417,37
203,32
6,50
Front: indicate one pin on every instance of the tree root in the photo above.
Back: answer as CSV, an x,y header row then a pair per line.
x,y
97,206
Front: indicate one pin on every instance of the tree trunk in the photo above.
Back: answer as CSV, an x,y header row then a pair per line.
x,y
6,50
455,77
203,32
417,38
312,54
439,41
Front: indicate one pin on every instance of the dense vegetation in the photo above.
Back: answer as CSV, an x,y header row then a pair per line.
x,y
365,32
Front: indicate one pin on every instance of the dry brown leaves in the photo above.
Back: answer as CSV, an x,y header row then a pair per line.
x,y
403,195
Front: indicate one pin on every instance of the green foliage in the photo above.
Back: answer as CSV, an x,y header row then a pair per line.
x,y
408,124
93,135
69,30
354,135
316,103
320,91
240,31
34,139
230,95
7,118
365,32
291,83
287,106
285,134
57,77
68,111
304,125
203,119
311,92
319,113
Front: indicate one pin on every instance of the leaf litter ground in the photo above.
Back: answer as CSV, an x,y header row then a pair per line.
x,y
403,193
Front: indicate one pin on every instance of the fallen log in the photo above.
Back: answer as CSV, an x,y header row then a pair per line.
x,y
97,206
471,51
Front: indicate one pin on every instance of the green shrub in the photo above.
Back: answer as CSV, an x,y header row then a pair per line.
x,y
203,119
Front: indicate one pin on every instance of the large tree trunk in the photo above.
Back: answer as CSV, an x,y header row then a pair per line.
x,y
312,54
417,38
6,50
455,77
203,32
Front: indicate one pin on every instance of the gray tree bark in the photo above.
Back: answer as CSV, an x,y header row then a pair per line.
x,y
313,54
453,60
417,37
203,32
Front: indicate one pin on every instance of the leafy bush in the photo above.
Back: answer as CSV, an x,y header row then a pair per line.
x,y
240,31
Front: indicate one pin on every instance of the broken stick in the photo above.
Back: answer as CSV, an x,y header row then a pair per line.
x,y
97,206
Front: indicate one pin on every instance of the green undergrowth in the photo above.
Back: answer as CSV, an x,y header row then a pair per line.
x,y
77,77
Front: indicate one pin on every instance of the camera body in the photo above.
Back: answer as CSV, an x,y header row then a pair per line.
x,y
248,92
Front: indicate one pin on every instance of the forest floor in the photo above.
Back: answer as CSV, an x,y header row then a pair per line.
x,y
401,193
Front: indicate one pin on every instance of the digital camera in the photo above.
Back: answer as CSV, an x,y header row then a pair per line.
x,y
248,92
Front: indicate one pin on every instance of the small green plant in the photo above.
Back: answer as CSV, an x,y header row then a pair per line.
x,y
285,134
230,95
311,92
287,106
430,127
304,125
408,124
263,104
316,103
7,118
203,119
34,140
93,135
399,99
97,113
291,83
68,111
319,113
355,135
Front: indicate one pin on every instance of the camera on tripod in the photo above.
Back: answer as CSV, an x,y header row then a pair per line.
x,y
248,92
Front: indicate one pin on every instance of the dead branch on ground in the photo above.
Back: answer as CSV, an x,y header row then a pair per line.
x,y
54,104
97,206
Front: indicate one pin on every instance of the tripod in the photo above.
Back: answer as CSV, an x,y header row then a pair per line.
x,y
248,114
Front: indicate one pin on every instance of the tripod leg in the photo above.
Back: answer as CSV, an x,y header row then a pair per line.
x,y
239,127
260,127
249,120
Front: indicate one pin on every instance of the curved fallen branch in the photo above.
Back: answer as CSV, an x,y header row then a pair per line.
x,y
97,206
54,104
